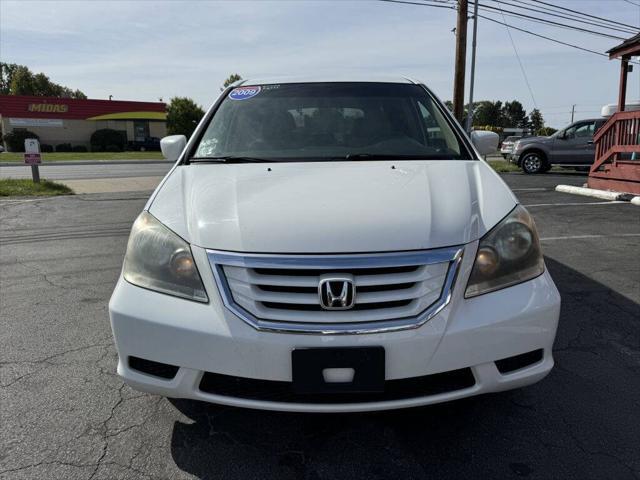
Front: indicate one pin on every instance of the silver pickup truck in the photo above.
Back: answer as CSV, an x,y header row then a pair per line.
x,y
570,147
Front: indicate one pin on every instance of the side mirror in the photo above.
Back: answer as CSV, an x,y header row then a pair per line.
x,y
485,142
172,146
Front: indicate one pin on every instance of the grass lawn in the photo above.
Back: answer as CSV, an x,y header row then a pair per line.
x,y
13,187
65,157
502,166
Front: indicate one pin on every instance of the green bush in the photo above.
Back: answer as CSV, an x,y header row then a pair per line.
x,y
489,128
46,148
108,140
63,147
80,148
15,140
546,131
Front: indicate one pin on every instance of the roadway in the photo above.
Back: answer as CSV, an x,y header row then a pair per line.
x,y
89,170
66,415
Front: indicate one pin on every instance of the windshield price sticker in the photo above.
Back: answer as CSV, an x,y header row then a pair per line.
x,y
243,93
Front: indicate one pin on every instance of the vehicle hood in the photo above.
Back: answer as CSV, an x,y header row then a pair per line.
x,y
332,207
525,141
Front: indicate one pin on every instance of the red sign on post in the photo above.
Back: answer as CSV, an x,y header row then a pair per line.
x,y
32,151
32,158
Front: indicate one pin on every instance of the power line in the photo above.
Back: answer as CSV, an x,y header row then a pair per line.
x,y
550,114
550,22
407,2
544,36
545,10
584,14
552,13
580,16
605,21
554,24
510,13
566,107
635,4
567,44
524,73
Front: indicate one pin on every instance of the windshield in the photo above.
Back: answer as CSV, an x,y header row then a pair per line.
x,y
329,121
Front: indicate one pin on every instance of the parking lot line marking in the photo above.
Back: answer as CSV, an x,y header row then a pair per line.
x,y
581,237
541,189
574,203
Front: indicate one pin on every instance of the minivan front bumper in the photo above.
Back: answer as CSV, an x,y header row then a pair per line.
x,y
213,348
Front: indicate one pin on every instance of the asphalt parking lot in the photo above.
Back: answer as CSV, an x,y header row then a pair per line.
x,y
64,414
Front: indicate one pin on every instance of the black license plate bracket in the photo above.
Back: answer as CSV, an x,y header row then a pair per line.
x,y
309,364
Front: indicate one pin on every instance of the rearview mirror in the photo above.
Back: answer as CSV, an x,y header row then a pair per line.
x,y
172,146
485,142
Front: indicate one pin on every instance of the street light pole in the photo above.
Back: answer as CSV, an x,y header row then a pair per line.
x,y
473,66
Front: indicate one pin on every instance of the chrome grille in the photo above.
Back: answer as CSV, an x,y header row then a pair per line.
x,y
280,292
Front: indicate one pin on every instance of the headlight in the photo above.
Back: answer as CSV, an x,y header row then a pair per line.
x,y
508,254
160,260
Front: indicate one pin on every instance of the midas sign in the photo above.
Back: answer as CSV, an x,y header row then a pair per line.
x,y
48,107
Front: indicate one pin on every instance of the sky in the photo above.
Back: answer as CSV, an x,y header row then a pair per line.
x,y
146,50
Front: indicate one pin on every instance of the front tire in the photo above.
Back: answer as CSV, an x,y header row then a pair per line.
x,y
533,162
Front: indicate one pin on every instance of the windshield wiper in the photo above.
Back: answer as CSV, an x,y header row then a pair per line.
x,y
231,159
391,156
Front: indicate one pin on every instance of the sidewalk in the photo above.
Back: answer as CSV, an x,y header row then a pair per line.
x,y
63,163
112,185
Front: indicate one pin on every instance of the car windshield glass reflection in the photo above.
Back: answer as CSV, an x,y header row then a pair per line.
x,y
330,121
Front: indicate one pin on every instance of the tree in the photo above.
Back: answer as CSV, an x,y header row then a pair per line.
x,y
183,114
7,71
22,82
514,115
546,131
19,80
108,140
488,113
15,140
234,77
536,120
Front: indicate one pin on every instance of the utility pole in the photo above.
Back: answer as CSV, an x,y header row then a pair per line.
x,y
461,55
473,67
573,111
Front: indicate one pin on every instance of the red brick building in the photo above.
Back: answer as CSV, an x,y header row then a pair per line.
x,y
67,120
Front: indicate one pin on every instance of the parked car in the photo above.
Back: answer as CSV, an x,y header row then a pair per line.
x,y
570,147
147,145
506,148
330,246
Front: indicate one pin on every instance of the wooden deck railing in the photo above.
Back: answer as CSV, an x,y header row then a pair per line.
x,y
621,134
616,167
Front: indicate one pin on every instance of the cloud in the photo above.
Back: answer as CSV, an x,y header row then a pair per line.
x,y
145,49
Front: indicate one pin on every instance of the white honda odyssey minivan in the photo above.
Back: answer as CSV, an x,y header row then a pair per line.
x,y
328,245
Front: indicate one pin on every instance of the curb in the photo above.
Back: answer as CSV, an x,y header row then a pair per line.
x,y
88,162
602,194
